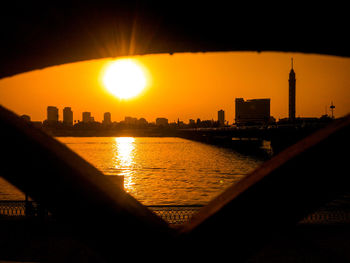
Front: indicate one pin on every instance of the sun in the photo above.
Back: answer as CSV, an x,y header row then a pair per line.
x,y
125,78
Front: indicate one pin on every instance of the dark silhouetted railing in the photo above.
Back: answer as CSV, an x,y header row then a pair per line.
x,y
12,208
21,208
175,214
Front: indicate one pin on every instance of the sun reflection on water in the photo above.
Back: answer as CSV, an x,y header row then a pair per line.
x,y
124,159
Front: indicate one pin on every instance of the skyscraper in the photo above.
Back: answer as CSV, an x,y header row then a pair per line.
x,y
68,116
292,82
255,111
86,117
106,118
221,117
52,114
162,122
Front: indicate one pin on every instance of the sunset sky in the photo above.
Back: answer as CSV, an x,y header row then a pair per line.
x,y
186,86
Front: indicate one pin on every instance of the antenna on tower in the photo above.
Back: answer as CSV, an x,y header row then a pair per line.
x,y
292,62
332,109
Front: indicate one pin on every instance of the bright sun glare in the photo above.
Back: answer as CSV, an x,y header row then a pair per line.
x,y
124,78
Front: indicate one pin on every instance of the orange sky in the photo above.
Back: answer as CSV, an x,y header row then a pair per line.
x,y
186,86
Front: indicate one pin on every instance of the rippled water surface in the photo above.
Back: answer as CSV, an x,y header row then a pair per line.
x,y
162,171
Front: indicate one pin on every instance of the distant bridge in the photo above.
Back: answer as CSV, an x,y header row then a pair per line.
x,y
252,137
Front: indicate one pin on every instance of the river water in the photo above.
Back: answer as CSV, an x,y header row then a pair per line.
x,y
160,171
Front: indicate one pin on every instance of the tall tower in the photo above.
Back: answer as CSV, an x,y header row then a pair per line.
x,y
221,117
332,107
107,118
52,114
292,81
86,117
68,116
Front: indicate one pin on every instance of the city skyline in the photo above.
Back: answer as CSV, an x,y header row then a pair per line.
x,y
68,119
187,86
251,111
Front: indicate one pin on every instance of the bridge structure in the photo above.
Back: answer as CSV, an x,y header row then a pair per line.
x,y
336,212
250,138
264,206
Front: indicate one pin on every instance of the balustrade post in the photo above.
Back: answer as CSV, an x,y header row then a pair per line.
x,y
26,208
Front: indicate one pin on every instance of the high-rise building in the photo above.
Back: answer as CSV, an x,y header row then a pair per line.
x,y
86,117
221,117
68,116
256,111
107,118
162,122
292,82
52,114
130,120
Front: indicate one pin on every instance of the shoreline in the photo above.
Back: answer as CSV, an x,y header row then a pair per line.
x,y
114,133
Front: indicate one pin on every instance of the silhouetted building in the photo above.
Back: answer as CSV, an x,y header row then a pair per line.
x,y
292,82
162,122
255,111
142,122
52,114
207,124
130,120
107,118
86,117
221,117
67,116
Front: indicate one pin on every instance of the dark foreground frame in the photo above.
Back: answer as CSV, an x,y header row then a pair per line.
x,y
268,202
